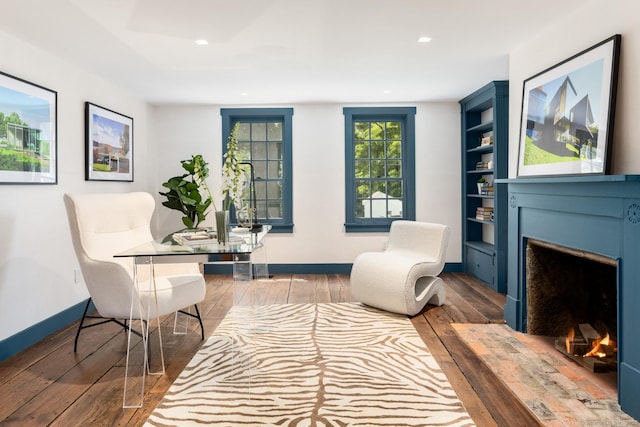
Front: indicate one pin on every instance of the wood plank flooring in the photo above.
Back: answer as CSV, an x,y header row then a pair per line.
x,y
49,384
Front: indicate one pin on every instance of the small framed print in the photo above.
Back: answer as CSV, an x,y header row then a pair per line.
x,y
28,132
109,144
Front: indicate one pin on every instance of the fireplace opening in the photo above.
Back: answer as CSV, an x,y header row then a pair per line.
x,y
572,298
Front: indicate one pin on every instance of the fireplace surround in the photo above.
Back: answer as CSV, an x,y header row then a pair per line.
x,y
597,214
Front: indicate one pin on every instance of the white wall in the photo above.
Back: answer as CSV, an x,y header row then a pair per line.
x,y
318,176
597,20
36,257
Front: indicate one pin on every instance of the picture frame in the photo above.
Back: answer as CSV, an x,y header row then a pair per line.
x,y
108,144
568,112
28,132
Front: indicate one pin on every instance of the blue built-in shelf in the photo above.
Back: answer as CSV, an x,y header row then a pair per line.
x,y
484,113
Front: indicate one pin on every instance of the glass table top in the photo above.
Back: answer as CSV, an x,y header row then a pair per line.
x,y
241,241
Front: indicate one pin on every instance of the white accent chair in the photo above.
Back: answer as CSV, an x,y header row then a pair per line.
x,y
108,223
403,278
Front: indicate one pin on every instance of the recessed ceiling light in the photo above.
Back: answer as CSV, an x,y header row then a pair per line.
x,y
424,39
201,42
386,91
244,94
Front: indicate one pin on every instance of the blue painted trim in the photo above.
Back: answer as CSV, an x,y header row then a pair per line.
x,y
227,268
232,115
20,341
407,116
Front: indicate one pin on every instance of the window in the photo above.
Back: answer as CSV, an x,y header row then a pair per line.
x,y
380,167
264,139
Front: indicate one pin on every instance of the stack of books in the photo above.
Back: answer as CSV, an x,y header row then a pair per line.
x,y
482,165
484,213
487,190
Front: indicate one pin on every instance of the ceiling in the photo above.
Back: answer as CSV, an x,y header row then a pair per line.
x,y
285,51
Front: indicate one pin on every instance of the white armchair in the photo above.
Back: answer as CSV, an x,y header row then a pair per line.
x,y
403,278
108,223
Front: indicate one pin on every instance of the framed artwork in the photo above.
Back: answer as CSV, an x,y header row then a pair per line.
x,y
28,132
568,113
109,145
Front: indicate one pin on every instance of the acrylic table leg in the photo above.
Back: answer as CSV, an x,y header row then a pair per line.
x,y
140,312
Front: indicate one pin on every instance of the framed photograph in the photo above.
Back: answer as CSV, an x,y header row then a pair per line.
x,y
567,114
28,132
109,144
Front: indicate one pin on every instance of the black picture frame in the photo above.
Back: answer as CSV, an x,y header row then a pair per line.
x,y
568,112
108,144
28,132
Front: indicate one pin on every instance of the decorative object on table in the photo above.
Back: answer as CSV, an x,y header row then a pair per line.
x,y
222,226
246,213
189,193
28,136
195,238
568,114
231,185
108,145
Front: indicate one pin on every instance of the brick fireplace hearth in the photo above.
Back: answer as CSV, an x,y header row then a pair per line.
x,y
596,214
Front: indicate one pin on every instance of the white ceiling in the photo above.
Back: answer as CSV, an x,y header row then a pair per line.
x,y
285,51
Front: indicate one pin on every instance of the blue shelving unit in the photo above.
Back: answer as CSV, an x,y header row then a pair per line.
x,y
484,114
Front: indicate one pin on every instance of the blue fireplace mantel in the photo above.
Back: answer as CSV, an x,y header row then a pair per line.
x,y
598,214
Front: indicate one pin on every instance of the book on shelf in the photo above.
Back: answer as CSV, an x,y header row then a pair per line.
x,y
484,213
487,191
481,165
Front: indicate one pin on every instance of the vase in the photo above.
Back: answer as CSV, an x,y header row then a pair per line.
x,y
222,227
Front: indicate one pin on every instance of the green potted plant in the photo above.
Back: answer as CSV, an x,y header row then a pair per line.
x,y
188,193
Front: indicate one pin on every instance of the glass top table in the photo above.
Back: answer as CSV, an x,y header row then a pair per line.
x,y
168,250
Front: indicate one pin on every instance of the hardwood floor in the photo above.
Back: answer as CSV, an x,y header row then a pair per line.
x,y
49,384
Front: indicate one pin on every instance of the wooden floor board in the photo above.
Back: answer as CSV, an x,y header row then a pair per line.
x,y
49,384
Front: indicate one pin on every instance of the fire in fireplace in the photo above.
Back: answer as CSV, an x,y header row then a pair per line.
x,y
572,297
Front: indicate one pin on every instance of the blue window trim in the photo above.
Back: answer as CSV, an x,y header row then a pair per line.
x,y
407,116
232,115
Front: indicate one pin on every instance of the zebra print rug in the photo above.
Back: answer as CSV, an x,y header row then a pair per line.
x,y
312,365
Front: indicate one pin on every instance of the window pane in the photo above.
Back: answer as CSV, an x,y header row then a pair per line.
x,y
259,169
261,189
362,150
394,150
363,190
244,150
363,208
244,132
379,187
275,150
393,130
275,210
394,169
377,150
258,131
362,169
377,130
274,189
275,169
395,189
274,131
377,169
258,151
361,130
